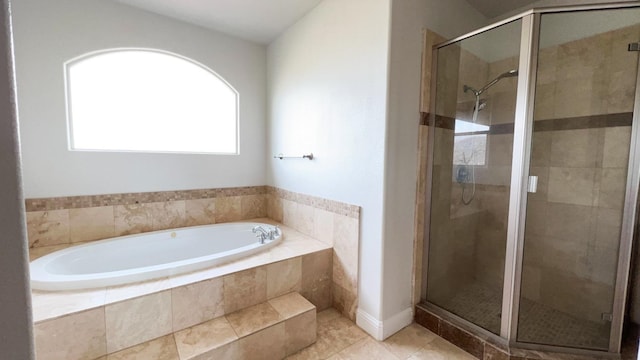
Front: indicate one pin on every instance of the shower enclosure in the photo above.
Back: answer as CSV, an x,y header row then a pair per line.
x,y
533,178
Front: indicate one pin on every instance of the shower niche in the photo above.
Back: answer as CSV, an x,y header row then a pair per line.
x,y
532,179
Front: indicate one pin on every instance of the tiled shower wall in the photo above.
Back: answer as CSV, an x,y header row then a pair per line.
x,y
468,239
582,131
55,223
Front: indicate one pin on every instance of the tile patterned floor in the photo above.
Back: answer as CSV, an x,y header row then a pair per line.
x,y
341,339
538,323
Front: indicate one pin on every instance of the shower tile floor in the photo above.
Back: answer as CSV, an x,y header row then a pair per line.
x,y
539,323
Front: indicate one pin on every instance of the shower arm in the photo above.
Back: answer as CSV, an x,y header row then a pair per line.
x,y
510,73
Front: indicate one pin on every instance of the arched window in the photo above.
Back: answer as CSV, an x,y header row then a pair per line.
x,y
149,101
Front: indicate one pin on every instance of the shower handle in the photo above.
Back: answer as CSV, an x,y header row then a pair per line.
x,y
532,187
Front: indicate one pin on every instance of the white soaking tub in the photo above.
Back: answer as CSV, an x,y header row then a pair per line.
x,y
146,256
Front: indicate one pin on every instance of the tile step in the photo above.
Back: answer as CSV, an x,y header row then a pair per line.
x,y
270,330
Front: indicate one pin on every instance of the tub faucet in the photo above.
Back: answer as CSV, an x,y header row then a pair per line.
x,y
261,233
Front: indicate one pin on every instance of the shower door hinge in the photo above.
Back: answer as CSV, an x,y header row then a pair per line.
x,y
634,46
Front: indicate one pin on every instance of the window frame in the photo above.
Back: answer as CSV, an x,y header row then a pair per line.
x,y
69,116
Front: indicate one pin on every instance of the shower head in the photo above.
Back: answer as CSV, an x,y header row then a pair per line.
x,y
508,74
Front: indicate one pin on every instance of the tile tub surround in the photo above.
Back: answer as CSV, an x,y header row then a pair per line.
x,y
208,292
69,220
270,330
335,223
55,223
124,317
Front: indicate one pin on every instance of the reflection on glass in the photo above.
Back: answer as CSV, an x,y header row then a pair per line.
x,y
580,145
469,147
475,107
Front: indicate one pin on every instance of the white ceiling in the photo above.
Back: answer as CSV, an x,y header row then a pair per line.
x,y
255,20
263,20
495,8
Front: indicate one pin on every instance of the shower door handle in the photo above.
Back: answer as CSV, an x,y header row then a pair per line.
x,y
533,184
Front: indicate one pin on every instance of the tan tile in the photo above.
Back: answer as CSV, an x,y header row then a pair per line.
x,y
163,348
244,289
409,341
197,303
572,186
51,304
612,188
305,219
326,316
267,344
38,252
211,339
541,148
367,349
134,290
345,301
274,208
254,318
46,228
616,146
323,226
291,305
135,321
227,352
289,213
440,349
346,247
200,212
531,282
300,332
317,270
575,148
133,219
620,91
284,277
500,149
91,223
545,101
335,357
168,214
569,221
253,206
77,336
335,333
228,209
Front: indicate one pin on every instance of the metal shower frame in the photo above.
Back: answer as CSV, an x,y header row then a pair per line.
x,y
523,130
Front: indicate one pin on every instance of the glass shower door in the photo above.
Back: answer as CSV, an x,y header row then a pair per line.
x,y
472,152
584,102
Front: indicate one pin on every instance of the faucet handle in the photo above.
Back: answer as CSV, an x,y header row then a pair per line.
x,y
273,233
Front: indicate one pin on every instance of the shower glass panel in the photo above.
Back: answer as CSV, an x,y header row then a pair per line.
x,y
473,140
584,98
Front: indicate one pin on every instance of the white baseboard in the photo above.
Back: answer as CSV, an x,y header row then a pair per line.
x,y
381,330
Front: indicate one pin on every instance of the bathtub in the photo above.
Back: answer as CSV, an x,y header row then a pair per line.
x,y
146,256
